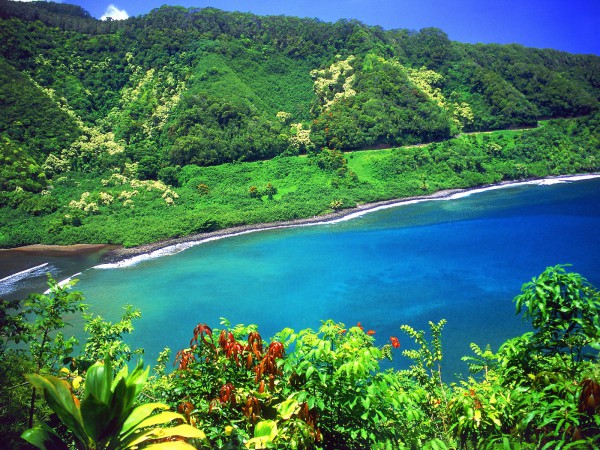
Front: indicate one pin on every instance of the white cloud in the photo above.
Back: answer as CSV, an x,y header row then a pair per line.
x,y
114,13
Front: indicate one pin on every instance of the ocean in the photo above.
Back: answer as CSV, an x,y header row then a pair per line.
x,y
462,258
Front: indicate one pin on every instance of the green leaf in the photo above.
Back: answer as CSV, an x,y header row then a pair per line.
x,y
321,404
323,377
43,437
287,408
139,414
96,383
58,395
172,445
96,417
264,432
158,419
366,402
184,431
266,428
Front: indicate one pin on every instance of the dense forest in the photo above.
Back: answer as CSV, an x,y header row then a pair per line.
x,y
141,121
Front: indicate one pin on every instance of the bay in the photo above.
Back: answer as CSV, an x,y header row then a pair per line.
x,y
462,259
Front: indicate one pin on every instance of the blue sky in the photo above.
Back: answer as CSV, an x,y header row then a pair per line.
x,y
569,25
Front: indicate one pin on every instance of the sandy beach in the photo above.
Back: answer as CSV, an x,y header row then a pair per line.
x,y
60,250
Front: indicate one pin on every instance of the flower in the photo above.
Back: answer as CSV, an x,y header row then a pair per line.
x,y
395,342
359,325
370,332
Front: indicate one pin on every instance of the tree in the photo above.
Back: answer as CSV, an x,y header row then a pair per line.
x,y
47,344
563,310
270,191
106,338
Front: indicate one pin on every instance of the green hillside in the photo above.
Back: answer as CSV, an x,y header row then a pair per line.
x,y
95,115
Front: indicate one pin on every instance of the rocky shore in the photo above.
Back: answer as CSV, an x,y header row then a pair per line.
x,y
121,253
115,253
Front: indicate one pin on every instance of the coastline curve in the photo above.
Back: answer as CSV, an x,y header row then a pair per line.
x,y
125,257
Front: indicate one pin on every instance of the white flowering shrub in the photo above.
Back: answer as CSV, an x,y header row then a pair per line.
x,y
105,198
299,138
326,84
283,116
84,204
116,179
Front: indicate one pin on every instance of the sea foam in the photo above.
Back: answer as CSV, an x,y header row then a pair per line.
x,y
7,283
63,282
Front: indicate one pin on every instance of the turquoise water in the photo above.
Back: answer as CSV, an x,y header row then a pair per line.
x,y
462,259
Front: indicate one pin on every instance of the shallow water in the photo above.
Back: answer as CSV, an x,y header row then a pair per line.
x,y
462,259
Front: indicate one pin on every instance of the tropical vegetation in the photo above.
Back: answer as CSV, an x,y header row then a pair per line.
x,y
188,120
324,388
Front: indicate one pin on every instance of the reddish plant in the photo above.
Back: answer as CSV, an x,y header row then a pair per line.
x,y
234,351
227,394
276,349
589,399
186,409
184,357
200,335
255,345
395,342
225,339
310,417
251,409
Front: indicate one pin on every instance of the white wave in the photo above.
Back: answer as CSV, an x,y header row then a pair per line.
x,y
540,182
177,248
550,181
23,274
7,284
589,176
165,251
357,214
63,282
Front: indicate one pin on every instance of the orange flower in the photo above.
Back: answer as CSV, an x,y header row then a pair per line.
x,y
370,332
395,342
359,326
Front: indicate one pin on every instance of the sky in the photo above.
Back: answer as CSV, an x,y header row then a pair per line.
x,y
568,25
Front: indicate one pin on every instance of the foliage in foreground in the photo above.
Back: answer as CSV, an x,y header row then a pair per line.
x,y
326,389
106,417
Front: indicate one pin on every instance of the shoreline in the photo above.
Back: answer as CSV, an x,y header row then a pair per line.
x,y
60,250
120,254
115,254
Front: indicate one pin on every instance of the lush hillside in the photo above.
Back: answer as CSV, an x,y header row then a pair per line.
x,y
131,113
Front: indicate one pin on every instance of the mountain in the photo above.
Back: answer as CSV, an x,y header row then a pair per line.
x,y
148,96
